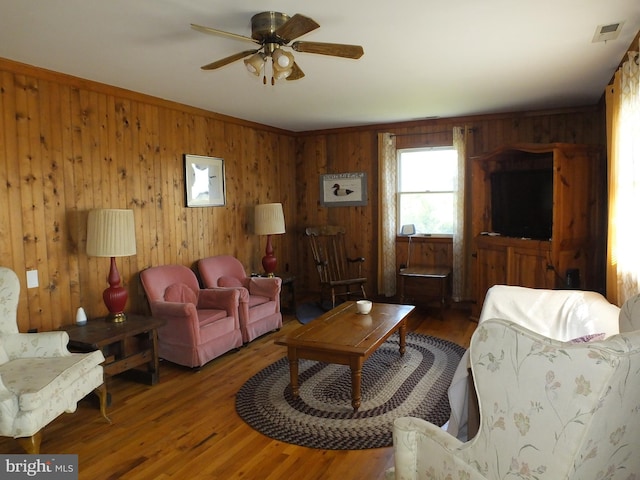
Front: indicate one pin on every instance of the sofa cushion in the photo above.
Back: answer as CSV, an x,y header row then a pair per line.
x,y
35,380
181,293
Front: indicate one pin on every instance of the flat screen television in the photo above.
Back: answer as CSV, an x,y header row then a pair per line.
x,y
522,203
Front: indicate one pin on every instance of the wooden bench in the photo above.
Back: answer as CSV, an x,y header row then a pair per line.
x,y
434,282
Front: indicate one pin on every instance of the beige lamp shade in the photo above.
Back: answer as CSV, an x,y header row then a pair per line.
x,y
269,219
111,233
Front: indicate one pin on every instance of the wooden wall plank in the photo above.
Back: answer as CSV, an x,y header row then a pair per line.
x,y
5,239
59,252
49,243
26,158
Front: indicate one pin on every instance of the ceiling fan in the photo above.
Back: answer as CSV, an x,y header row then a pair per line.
x,y
271,31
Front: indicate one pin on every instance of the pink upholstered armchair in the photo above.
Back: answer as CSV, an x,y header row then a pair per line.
x,y
201,324
259,296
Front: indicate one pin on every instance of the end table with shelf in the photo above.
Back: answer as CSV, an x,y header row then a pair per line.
x,y
130,346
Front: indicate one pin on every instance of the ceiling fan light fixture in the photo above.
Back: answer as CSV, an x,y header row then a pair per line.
x,y
282,74
255,63
272,31
282,59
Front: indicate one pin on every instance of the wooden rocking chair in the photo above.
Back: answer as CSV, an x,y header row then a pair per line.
x,y
338,273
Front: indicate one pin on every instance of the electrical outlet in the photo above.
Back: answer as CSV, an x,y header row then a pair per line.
x,y
32,279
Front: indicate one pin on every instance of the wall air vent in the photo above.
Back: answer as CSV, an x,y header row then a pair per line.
x,y
607,32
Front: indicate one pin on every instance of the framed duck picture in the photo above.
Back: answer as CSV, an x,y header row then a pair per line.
x,y
343,189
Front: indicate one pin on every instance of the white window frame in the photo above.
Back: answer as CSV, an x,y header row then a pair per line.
x,y
401,193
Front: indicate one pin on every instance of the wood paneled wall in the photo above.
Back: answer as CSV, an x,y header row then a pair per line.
x,y
68,145
355,150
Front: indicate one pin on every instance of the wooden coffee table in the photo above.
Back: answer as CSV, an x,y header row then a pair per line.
x,y
345,337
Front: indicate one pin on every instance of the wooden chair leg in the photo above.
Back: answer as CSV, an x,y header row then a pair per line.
x,y
31,444
101,391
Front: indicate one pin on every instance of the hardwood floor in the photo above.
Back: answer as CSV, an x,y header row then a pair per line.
x,y
186,425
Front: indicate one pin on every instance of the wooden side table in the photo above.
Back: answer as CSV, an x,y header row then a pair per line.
x,y
439,276
288,282
126,346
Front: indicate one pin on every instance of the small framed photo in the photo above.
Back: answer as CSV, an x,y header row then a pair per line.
x,y
343,189
204,181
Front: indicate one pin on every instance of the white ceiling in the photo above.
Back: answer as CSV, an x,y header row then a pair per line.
x,y
423,58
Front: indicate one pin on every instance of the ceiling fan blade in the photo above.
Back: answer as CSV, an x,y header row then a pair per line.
x,y
213,31
227,60
296,73
333,49
295,27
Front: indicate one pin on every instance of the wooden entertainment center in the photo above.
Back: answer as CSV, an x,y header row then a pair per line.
x,y
579,231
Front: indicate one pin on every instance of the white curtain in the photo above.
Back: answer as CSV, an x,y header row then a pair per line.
x,y
460,263
623,257
387,186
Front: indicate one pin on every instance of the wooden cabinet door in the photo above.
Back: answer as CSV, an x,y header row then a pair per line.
x,y
491,269
530,268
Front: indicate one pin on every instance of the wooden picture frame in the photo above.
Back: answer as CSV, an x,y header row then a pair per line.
x,y
343,189
204,181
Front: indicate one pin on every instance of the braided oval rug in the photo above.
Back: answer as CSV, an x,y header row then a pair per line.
x,y
322,417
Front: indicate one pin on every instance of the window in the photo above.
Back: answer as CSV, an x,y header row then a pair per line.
x,y
426,188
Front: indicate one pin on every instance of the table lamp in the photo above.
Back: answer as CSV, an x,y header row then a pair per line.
x,y
269,220
111,233
408,230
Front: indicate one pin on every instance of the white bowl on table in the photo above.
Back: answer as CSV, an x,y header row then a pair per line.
x,y
364,306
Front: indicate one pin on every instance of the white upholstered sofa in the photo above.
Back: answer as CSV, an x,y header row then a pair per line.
x,y
550,409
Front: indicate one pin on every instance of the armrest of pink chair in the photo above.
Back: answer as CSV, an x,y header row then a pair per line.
x,y
265,287
176,315
172,309
221,299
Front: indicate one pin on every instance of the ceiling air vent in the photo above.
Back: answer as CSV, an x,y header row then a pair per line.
x,y
607,32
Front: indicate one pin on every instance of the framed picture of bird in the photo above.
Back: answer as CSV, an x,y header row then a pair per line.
x,y
343,189
204,181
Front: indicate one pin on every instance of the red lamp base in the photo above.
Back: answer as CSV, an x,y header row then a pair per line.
x,y
269,261
115,296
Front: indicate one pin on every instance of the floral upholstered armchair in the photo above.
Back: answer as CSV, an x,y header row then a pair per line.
x,y
559,314
39,378
549,410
